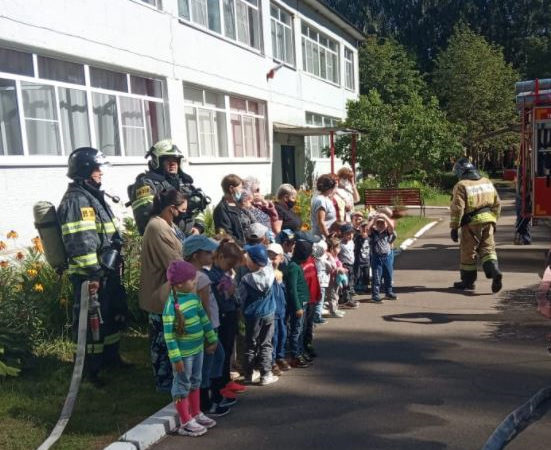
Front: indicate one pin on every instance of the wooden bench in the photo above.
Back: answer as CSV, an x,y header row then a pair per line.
x,y
392,197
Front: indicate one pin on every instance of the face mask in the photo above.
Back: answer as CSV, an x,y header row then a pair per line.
x,y
180,216
291,204
237,196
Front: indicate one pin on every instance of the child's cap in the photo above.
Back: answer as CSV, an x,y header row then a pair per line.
x,y
307,236
319,249
346,228
364,223
276,248
257,231
180,271
257,253
356,213
197,242
285,236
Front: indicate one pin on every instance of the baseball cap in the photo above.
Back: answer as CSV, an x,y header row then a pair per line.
x,y
257,231
356,213
197,242
276,248
180,271
257,253
307,236
285,235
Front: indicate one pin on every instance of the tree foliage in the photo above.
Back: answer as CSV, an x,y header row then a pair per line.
x,y
476,87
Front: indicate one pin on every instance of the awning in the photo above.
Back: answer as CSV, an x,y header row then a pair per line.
x,y
310,130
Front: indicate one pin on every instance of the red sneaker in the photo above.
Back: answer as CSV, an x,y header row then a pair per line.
x,y
228,393
235,387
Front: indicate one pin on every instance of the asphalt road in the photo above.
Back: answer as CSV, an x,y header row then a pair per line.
x,y
434,370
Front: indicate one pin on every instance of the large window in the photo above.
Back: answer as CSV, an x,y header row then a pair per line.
x,y
238,20
55,110
282,35
222,126
315,145
320,54
349,69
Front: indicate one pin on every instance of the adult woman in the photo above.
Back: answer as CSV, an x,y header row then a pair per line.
x,y
228,217
322,211
347,191
286,199
161,245
260,209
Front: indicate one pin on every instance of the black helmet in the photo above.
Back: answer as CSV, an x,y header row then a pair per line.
x,y
83,161
464,168
162,149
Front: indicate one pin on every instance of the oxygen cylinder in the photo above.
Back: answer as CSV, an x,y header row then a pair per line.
x,y
49,230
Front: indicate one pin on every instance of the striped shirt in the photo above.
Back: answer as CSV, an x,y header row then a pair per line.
x,y
197,327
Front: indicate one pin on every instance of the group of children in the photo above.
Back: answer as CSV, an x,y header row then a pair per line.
x,y
279,290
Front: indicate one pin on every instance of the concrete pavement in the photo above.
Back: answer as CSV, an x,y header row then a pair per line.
x,y
434,370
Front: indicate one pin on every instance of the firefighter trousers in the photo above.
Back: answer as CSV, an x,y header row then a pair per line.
x,y
477,243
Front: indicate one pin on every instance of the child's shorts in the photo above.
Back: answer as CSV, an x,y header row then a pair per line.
x,y
190,378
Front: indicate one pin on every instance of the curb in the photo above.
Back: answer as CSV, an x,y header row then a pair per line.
x,y
408,242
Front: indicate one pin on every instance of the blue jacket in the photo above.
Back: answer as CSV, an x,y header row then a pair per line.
x,y
226,303
257,294
280,298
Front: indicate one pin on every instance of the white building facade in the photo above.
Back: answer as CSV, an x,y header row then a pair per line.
x,y
118,75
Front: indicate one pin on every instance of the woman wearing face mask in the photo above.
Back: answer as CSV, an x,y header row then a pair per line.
x,y
162,244
347,191
286,200
228,217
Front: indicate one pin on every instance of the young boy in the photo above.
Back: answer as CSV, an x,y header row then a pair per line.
x,y
361,257
287,239
256,293
346,256
311,277
381,235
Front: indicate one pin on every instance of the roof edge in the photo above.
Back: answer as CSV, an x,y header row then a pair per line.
x,y
336,17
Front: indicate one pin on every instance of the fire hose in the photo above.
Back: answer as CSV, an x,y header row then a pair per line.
x,y
88,304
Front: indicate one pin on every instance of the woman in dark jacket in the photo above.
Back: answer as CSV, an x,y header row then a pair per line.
x,y
228,217
286,199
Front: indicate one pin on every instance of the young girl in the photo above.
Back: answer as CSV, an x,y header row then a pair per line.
x,y
336,281
186,326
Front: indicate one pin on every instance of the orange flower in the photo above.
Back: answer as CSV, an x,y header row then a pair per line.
x,y
3,246
37,245
20,256
4,264
38,287
12,235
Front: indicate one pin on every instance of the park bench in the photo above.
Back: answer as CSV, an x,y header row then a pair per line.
x,y
394,197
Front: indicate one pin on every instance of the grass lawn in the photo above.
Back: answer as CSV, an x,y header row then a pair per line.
x,y
442,199
30,404
407,226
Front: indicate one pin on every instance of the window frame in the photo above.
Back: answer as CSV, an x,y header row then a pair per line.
x,y
291,28
349,63
61,159
308,139
231,158
316,44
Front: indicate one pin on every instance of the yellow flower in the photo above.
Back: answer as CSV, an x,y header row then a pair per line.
x,y
4,264
3,245
38,287
32,273
37,245
12,235
20,256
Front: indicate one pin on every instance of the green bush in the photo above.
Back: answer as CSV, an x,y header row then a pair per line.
x,y
366,183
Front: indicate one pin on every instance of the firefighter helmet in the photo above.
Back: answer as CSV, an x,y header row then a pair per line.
x,y
463,166
162,149
83,161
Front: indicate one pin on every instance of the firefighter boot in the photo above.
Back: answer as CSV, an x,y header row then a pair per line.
x,y
492,271
468,277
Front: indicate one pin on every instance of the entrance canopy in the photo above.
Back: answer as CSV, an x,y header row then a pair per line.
x,y
322,131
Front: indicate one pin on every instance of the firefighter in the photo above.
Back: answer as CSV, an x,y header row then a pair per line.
x,y
474,210
165,173
92,244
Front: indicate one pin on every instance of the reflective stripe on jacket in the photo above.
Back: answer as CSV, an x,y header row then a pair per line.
x,y
470,195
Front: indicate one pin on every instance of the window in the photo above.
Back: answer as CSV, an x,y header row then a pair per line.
x,y
121,114
282,35
315,145
219,125
349,69
320,55
235,19
156,3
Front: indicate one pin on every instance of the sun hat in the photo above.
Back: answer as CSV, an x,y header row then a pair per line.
x,y
257,253
197,242
276,248
180,271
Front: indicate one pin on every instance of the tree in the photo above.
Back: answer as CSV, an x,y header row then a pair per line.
x,y
410,138
476,87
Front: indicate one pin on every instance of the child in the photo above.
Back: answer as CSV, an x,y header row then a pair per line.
x,y
381,235
286,238
356,219
337,272
186,326
361,257
256,293
226,257
346,256
275,253
311,277
323,269
298,297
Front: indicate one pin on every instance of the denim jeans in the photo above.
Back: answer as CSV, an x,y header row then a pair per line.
x,y
258,343
318,312
381,266
279,339
212,365
295,333
190,378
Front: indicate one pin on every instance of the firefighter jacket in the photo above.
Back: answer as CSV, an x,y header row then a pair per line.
x,y
87,229
478,200
150,183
